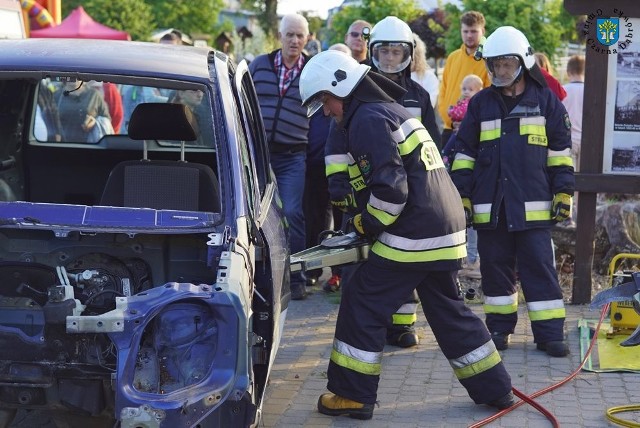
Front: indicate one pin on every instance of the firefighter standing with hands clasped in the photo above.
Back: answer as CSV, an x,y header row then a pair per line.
x,y
415,219
514,171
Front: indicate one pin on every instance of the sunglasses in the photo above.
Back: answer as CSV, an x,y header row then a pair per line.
x,y
355,34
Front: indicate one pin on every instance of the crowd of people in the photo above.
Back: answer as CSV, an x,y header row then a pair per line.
x,y
438,175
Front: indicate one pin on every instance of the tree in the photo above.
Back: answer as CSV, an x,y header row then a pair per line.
x,y
432,27
133,16
189,16
546,24
371,11
267,14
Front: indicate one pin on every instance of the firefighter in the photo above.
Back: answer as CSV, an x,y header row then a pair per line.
x,y
391,48
406,184
514,171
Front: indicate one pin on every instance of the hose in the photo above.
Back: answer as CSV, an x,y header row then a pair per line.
x,y
530,399
621,409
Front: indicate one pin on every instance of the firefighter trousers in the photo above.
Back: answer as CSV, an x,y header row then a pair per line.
x,y
531,252
375,292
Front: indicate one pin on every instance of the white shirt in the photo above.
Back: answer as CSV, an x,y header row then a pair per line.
x,y
573,103
430,83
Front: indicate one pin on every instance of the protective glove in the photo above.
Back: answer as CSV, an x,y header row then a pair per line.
x,y
468,211
344,204
561,207
355,223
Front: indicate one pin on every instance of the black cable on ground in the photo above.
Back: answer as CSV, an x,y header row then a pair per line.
x,y
530,399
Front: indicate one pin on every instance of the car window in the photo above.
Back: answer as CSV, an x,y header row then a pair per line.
x,y
79,111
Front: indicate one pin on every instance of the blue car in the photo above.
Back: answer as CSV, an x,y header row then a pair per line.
x,y
144,266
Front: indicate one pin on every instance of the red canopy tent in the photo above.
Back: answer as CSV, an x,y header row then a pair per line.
x,y
79,25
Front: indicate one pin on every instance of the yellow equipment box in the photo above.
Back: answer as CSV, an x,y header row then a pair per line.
x,y
623,315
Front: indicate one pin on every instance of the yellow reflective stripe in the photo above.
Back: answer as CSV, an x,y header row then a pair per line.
x,y
537,210
482,213
413,141
537,215
559,161
335,169
462,161
407,127
382,216
390,207
481,366
533,130
501,304
404,319
547,314
354,171
337,163
546,310
350,357
453,253
355,365
490,129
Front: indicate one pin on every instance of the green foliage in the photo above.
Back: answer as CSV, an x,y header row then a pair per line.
x,y
371,11
189,16
431,27
546,24
133,16
267,14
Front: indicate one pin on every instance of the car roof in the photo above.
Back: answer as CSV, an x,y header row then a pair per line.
x,y
105,57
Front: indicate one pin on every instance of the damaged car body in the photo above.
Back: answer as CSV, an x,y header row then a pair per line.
x,y
143,264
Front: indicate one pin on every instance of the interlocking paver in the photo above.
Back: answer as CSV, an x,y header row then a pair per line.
x,y
418,388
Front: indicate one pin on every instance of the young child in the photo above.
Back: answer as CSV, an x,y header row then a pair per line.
x,y
471,85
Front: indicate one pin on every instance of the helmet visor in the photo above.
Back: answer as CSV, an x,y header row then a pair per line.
x,y
314,104
391,57
504,70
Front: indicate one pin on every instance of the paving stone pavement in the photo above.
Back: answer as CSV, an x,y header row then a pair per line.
x,y
417,385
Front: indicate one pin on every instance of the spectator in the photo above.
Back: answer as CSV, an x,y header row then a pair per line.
x,y
313,46
355,40
81,109
547,71
276,76
514,172
573,103
134,95
171,38
470,86
112,97
460,63
48,114
341,47
192,98
422,73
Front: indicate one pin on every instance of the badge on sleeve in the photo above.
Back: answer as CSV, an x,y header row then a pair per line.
x,y
364,165
567,121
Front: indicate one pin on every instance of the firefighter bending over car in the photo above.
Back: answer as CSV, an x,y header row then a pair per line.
x,y
514,171
414,217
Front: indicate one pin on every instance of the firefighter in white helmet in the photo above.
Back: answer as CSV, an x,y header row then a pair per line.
x,y
412,214
514,171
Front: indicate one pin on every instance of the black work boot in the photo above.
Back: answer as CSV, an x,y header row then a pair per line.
x,y
555,348
501,340
403,336
334,405
503,402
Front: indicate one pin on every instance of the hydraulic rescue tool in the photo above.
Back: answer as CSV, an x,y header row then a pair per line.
x,y
335,250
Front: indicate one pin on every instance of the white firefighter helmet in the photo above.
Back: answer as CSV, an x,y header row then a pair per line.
x,y
391,45
332,72
507,44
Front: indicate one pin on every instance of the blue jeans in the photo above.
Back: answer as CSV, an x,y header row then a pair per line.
x,y
290,169
472,245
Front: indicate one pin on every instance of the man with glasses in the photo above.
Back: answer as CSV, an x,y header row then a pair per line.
x,y
276,77
355,40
